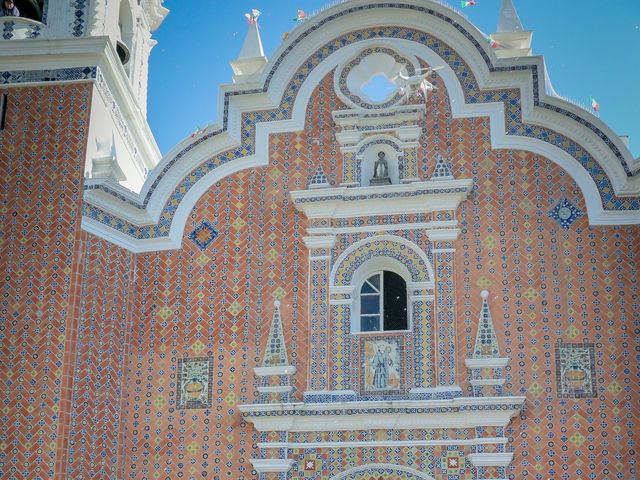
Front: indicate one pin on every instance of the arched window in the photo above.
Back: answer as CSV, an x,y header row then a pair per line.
x,y
383,303
125,24
32,9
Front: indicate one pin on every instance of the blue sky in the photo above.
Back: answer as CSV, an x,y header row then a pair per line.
x,y
592,48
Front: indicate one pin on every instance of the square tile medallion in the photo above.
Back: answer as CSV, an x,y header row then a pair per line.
x,y
195,380
575,370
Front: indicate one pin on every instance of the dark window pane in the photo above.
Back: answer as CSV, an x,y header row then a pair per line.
x,y
370,323
395,302
374,280
368,288
369,304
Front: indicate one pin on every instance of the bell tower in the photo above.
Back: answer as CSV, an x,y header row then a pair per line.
x,y
73,88
107,44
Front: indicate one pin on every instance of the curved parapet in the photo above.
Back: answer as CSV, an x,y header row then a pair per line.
x,y
524,115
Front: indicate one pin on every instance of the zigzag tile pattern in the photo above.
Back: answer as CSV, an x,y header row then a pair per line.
x,y
42,154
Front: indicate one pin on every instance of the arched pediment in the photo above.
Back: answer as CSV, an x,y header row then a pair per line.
x,y
408,254
512,93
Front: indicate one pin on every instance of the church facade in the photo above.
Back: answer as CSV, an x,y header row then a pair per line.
x,y
400,255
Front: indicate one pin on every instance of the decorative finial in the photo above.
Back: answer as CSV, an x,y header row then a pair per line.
x,y
251,60
484,294
252,18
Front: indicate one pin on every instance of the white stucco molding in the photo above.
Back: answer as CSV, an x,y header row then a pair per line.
x,y
386,443
481,363
465,412
490,459
271,465
315,242
407,198
282,370
521,80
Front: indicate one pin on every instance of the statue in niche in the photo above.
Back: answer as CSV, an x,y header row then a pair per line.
x,y
381,171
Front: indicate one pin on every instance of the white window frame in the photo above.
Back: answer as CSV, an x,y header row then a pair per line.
x,y
378,266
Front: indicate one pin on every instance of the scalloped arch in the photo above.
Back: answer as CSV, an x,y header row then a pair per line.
x,y
587,149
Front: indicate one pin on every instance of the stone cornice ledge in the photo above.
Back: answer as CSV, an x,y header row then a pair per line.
x,y
271,465
490,459
417,197
467,412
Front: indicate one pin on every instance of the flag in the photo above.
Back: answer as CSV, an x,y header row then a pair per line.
x,y
492,42
468,3
595,105
300,16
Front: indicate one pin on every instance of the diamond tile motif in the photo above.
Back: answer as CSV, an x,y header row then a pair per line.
x,y
565,213
203,235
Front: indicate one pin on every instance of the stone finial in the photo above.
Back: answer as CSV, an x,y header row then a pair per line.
x,y
275,353
251,60
486,339
442,171
511,40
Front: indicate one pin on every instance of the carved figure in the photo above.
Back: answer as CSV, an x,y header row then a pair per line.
x,y
381,167
381,363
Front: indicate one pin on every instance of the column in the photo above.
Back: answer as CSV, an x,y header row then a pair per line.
x,y
445,315
319,271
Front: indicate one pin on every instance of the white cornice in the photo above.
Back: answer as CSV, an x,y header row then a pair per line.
x,y
274,371
409,198
325,241
309,417
478,363
271,465
385,443
490,459
275,389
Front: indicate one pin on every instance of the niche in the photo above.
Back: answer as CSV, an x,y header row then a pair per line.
x,y
368,160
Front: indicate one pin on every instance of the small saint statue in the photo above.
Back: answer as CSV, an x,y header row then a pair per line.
x,y
381,171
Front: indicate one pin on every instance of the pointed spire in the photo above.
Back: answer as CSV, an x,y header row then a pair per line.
x,y
511,40
252,46
486,340
319,179
251,60
275,353
442,170
509,20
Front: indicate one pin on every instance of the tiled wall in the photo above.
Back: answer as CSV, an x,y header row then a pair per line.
x,y
42,154
67,300
217,301
102,350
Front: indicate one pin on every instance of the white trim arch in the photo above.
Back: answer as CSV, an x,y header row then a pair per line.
x,y
364,469
414,278
522,80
